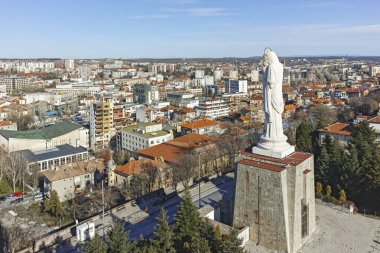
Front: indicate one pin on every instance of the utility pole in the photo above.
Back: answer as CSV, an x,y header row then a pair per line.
x,y
103,205
199,180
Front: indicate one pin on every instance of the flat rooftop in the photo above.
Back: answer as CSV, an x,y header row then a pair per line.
x,y
145,135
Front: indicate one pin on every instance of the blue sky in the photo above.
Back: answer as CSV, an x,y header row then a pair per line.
x,y
187,28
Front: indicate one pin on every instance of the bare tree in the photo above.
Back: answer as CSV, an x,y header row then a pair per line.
x,y
17,236
151,173
184,169
16,168
33,176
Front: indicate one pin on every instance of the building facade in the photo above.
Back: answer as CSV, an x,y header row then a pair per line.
x,y
213,108
143,136
101,123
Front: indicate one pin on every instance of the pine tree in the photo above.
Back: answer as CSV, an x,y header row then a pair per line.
x,y
208,232
199,244
187,222
231,243
96,245
323,165
164,234
118,241
54,207
304,137
335,165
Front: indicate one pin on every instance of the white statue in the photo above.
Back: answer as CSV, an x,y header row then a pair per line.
x,y
273,141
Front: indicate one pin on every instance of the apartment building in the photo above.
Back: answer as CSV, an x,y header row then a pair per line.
x,y
143,136
101,123
145,93
14,84
213,108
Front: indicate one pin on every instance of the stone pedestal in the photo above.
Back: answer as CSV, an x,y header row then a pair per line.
x,y
275,198
278,148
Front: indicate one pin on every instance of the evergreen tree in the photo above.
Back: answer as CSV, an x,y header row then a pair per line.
x,y
368,152
304,137
328,144
54,207
96,245
118,241
335,165
199,244
164,234
208,232
322,168
231,243
187,222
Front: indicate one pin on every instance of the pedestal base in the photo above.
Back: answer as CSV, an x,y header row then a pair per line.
x,y
273,147
275,152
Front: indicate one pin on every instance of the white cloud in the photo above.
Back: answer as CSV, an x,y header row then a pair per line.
x,y
201,12
154,16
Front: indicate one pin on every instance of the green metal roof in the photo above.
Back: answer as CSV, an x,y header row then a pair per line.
x,y
58,129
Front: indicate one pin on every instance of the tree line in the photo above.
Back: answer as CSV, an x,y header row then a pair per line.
x,y
354,168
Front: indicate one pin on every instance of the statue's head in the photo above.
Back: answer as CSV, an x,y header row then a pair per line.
x,y
269,57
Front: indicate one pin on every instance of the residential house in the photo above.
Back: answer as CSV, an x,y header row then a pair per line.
x,y
340,131
72,178
202,126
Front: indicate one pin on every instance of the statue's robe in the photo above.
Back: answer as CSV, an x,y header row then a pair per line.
x,y
273,100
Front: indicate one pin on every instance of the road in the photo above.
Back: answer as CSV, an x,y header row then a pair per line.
x,y
141,220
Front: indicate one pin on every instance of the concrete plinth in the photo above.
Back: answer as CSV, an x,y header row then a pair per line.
x,y
274,197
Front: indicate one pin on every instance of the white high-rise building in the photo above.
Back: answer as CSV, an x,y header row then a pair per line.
x,y
209,80
234,74
199,74
69,64
218,74
254,75
375,70
237,86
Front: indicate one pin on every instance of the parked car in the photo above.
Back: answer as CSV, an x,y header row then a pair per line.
x,y
18,195
9,196
16,201
2,199
39,196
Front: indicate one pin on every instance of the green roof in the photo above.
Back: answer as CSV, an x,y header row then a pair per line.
x,y
58,129
154,134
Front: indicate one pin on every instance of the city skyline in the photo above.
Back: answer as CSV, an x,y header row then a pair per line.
x,y
187,29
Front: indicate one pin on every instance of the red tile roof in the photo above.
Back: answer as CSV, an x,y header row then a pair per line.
x,y
200,124
338,128
375,120
5,123
290,107
136,166
171,151
261,165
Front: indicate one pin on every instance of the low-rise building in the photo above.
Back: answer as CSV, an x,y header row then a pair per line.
x,y
202,126
7,125
340,131
144,135
375,124
55,157
121,175
45,138
72,178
